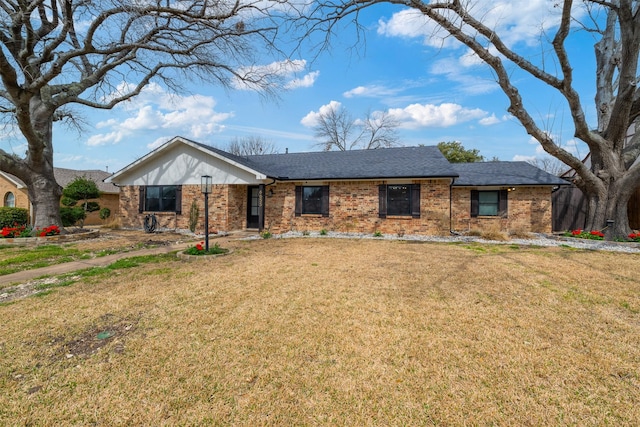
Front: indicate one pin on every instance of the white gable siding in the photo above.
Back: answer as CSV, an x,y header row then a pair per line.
x,y
182,164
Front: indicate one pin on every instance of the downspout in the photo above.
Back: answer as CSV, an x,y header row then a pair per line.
x,y
451,231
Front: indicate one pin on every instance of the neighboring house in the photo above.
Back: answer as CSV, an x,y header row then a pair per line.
x,y
109,193
409,190
14,192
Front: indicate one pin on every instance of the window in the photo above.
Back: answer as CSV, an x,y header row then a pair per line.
x,y
10,200
161,198
399,200
312,200
489,203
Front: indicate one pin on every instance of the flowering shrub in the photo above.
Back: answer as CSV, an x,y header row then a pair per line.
x,y
24,231
15,231
199,249
635,237
583,234
52,230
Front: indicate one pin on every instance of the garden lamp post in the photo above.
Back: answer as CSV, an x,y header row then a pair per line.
x,y
205,187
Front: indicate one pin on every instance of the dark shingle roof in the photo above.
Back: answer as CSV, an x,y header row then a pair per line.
x,y
386,163
503,173
65,176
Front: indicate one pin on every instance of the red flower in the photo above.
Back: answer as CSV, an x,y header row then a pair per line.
x,y
199,247
576,232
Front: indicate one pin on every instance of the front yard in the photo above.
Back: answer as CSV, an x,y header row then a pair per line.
x,y
333,332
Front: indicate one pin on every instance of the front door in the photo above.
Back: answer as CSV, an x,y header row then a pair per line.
x,y
253,204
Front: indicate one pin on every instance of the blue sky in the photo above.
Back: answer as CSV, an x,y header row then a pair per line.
x,y
432,86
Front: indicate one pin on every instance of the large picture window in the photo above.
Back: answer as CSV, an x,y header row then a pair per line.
x,y
161,198
399,200
312,199
489,203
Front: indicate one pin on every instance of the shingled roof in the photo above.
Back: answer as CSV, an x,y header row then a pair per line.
x,y
384,163
65,176
503,174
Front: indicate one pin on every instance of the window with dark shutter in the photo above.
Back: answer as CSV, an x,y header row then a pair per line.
x,y
399,200
489,203
161,198
312,199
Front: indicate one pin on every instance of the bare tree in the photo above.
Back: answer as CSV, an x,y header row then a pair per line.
x,y
549,164
54,54
251,146
614,174
337,129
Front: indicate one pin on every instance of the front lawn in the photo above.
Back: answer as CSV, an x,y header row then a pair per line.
x,y
333,332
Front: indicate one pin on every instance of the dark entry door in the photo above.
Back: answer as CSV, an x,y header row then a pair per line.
x,y
253,203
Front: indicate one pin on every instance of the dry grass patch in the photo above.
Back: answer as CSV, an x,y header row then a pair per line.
x,y
322,331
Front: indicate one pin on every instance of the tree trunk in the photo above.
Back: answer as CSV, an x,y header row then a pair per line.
x,y
36,170
44,194
607,212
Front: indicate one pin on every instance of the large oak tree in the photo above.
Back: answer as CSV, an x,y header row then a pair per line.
x,y
613,173
55,54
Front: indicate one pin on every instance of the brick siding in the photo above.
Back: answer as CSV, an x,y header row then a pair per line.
x,y
353,207
529,210
21,195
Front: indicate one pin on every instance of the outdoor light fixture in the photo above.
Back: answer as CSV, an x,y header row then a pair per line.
x,y
205,187
205,184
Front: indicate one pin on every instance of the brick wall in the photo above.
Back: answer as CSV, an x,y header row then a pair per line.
x,y
225,209
529,209
111,201
21,196
353,207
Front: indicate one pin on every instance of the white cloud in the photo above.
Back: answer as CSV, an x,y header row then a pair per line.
x,y
488,121
429,115
522,158
307,81
456,70
311,119
515,21
105,139
286,71
372,91
158,142
155,109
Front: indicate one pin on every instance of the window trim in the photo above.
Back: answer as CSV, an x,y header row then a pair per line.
x,y
299,200
503,206
414,201
142,202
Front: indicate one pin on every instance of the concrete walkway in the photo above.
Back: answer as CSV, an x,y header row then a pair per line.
x,y
68,267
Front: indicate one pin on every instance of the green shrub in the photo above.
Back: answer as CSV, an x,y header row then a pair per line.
x,y
194,214
13,216
70,216
105,213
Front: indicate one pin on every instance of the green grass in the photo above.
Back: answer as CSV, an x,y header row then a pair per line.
x,y
37,257
68,279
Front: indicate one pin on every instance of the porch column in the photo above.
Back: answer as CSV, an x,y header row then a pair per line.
x,y
260,207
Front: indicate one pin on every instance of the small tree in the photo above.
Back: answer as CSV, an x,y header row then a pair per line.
x,y
455,152
79,190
